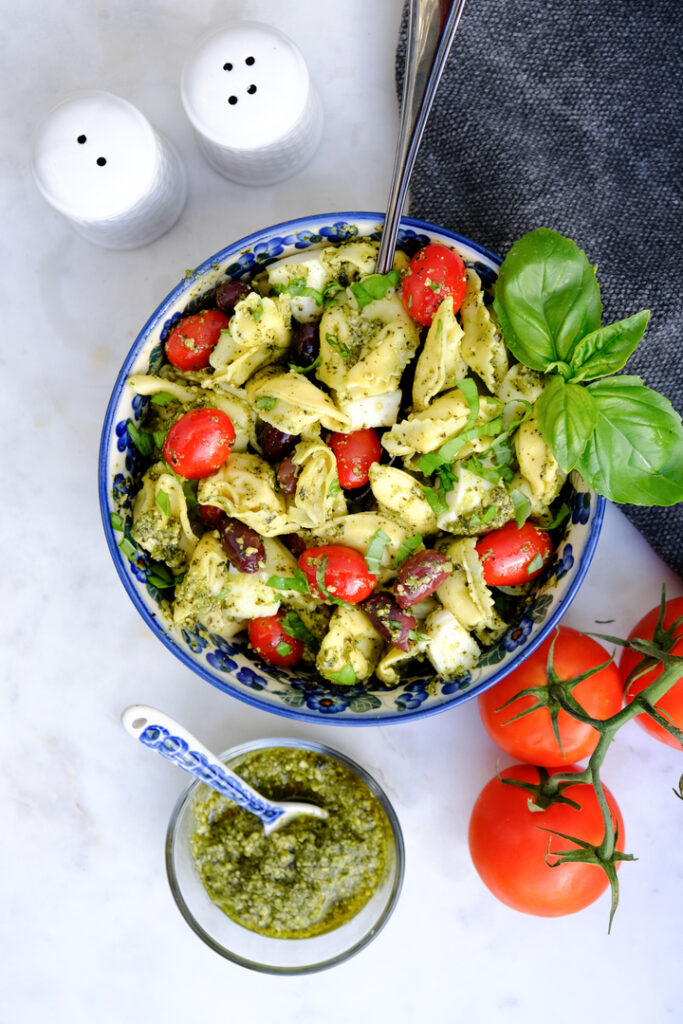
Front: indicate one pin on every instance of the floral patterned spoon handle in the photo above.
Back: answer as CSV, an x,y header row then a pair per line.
x,y
159,732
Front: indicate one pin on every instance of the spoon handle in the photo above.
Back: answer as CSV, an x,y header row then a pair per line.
x,y
429,41
160,732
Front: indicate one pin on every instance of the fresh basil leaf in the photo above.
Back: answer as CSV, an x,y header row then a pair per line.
x,y
567,415
345,677
521,505
436,500
373,555
547,298
297,288
306,369
257,311
116,520
607,350
190,492
471,395
127,548
265,402
297,582
283,648
159,436
164,502
163,398
140,438
294,627
559,518
635,454
339,346
407,547
320,570
535,564
374,287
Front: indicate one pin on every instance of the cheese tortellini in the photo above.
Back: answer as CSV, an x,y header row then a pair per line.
x,y
462,455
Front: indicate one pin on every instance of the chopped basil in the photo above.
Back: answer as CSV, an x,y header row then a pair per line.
x,y
296,582
160,576
163,398
306,369
128,548
407,547
116,520
435,499
299,288
471,396
522,506
257,311
419,637
373,555
159,436
562,514
346,677
335,488
265,402
374,287
320,570
339,346
190,492
283,648
534,564
294,627
447,477
140,438
164,502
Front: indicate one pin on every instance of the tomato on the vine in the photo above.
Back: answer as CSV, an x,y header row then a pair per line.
x,y
434,273
531,737
342,572
194,338
671,704
199,442
355,453
513,554
509,846
270,640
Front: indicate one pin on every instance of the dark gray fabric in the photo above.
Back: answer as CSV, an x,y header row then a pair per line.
x,y
570,116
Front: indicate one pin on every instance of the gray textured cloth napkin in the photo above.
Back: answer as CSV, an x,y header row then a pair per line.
x,y
570,116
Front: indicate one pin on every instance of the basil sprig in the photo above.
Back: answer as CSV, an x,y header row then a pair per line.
x,y
624,439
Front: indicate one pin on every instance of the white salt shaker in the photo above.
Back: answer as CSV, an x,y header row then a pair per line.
x,y
249,97
99,162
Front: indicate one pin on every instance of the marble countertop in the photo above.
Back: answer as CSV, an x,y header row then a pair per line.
x,y
89,928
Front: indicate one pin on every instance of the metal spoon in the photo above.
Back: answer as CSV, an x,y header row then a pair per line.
x,y
159,732
429,41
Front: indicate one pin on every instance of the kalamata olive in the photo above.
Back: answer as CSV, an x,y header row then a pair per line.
x,y
242,545
305,346
420,575
275,444
296,544
389,619
287,474
229,293
211,516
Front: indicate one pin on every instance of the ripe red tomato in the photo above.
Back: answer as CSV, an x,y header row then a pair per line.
x,y
508,845
531,738
355,453
671,704
433,273
345,574
199,442
270,641
513,555
193,339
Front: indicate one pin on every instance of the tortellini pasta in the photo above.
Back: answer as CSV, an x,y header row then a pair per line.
x,y
258,333
318,496
245,488
351,641
483,348
161,522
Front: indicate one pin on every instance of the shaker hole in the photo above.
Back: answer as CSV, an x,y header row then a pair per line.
x,y
81,139
249,61
101,161
227,66
232,100
251,90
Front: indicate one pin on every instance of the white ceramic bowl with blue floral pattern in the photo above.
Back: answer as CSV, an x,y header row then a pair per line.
x,y
232,666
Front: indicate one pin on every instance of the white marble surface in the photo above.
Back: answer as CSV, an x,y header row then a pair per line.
x,y
89,929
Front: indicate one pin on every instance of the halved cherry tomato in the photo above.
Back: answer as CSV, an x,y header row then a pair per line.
x,y
193,339
671,704
343,570
355,453
269,639
531,737
433,273
513,555
509,847
199,442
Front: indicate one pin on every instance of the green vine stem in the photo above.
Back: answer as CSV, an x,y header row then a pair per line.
x,y
559,694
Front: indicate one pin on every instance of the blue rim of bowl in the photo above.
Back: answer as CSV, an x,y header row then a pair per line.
x,y
396,831
169,642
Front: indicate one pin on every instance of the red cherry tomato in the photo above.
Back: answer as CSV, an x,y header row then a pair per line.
x,y
193,339
531,738
433,273
211,516
345,574
272,643
513,555
509,847
671,704
199,442
355,453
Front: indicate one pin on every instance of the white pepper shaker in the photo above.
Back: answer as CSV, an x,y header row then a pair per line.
x,y
249,97
98,161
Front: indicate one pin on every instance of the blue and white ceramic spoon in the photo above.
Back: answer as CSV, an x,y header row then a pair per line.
x,y
161,733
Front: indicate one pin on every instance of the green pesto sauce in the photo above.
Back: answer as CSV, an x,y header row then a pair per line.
x,y
311,875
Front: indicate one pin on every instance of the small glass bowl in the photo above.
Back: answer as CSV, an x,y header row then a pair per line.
x,y
248,948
